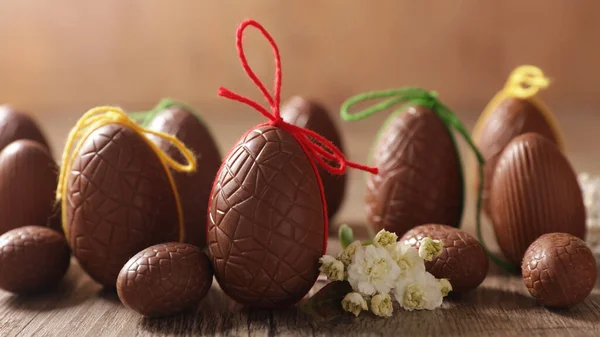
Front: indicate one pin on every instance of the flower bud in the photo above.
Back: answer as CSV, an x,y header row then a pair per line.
x,y
381,305
346,255
354,303
430,249
334,269
384,238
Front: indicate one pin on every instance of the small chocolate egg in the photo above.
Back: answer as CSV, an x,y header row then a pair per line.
x,y
420,178
534,191
266,220
559,270
15,125
463,260
511,118
165,279
313,116
118,201
28,178
193,188
32,259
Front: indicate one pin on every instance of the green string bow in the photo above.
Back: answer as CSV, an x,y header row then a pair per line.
x,y
414,96
144,118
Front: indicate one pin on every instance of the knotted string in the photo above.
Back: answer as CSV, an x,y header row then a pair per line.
x,y
104,115
526,81
321,150
413,96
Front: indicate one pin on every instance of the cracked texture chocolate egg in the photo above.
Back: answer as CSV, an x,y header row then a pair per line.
x,y
511,118
534,191
420,178
118,201
463,260
32,259
266,220
559,270
28,177
313,116
193,188
165,279
15,125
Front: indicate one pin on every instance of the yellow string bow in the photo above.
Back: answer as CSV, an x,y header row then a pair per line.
x,y
104,115
526,81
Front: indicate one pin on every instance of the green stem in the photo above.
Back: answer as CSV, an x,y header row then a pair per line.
x,y
144,118
414,96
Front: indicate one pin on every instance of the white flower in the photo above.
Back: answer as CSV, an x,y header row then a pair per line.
x,y
590,187
354,303
445,286
334,269
429,248
381,305
418,291
346,255
384,238
372,271
407,258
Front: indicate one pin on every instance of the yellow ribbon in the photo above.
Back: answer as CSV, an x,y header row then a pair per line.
x,y
526,81
104,115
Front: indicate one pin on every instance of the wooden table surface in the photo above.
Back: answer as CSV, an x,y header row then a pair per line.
x,y
501,306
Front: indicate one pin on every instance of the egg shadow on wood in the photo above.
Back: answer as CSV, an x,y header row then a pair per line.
x,y
109,294
488,297
585,311
62,295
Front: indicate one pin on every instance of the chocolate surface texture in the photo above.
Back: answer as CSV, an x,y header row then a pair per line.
x,y
165,279
559,270
119,201
419,180
32,259
266,221
193,188
462,261
534,192
313,116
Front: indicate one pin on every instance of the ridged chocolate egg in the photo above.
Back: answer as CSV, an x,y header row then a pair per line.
x,y
534,192
118,201
313,116
28,178
32,259
559,270
164,279
266,220
15,125
420,179
463,260
193,188
511,118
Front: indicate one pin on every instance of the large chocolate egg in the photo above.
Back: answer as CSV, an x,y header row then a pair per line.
x,y
15,125
463,260
511,118
420,178
118,201
193,188
165,279
559,270
534,192
313,116
266,220
32,259
28,178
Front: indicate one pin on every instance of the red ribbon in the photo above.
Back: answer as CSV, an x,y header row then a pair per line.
x,y
321,149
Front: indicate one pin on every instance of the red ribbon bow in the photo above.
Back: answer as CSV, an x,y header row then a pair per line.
x,y
319,148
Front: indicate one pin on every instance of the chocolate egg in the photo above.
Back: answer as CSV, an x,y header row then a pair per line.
x,y
193,188
511,118
313,116
118,201
32,259
559,270
266,220
534,191
420,177
15,125
28,177
462,261
165,279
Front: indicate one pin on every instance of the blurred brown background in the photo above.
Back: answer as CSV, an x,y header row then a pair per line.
x,y
59,58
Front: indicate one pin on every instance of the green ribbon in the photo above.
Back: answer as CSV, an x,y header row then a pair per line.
x,y
144,118
414,96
